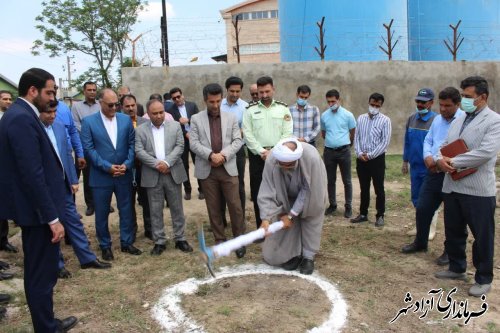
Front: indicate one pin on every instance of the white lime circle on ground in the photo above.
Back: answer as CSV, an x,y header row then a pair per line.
x,y
171,316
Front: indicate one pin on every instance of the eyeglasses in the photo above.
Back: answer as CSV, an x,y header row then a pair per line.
x,y
112,105
174,98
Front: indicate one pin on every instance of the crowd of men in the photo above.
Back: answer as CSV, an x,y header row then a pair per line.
x,y
142,153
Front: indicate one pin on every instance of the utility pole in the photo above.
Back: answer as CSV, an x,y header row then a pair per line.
x,y
321,39
237,36
133,41
68,63
388,42
456,43
164,35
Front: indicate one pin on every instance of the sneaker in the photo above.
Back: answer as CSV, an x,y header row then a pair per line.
x,y
360,218
478,290
348,211
330,210
450,275
379,222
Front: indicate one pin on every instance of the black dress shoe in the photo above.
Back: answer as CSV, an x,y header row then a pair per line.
x,y
201,196
443,259
158,249
89,211
63,273
66,324
4,265
107,254
183,246
330,210
292,264
96,264
4,298
111,209
240,253
8,247
306,266
187,196
413,248
360,218
6,276
131,250
348,211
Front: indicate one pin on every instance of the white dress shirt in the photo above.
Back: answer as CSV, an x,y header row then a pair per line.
x,y
183,112
159,141
111,127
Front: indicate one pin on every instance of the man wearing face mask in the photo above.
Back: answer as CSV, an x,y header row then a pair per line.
x,y
470,201
293,190
417,127
337,128
372,138
305,117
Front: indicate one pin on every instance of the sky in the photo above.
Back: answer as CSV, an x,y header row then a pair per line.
x,y
195,29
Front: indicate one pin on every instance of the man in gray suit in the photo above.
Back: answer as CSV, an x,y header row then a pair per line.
x,y
470,201
215,139
159,146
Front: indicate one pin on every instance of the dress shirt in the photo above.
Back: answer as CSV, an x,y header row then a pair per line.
x,y
111,127
437,134
237,108
1,114
183,112
215,133
337,126
305,122
159,141
81,110
373,135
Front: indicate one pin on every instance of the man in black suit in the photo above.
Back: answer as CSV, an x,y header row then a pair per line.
x,y
33,187
182,111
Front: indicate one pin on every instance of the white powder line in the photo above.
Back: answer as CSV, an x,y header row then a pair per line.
x,y
172,318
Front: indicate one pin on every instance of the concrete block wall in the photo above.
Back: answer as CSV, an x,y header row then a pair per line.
x,y
398,81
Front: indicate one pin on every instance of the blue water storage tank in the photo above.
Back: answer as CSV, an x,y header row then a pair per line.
x,y
428,26
353,29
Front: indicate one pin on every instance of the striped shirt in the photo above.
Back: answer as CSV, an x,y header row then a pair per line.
x,y
372,135
305,122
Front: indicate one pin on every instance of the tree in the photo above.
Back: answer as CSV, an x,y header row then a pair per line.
x,y
96,28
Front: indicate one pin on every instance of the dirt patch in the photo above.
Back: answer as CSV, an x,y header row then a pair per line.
x,y
258,303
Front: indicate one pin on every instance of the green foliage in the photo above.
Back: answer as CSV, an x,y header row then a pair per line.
x,y
96,28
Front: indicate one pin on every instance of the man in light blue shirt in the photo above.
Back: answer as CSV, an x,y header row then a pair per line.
x,y
234,104
337,128
430,195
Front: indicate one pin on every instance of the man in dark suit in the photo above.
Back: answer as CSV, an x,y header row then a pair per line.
x,y
129,107
108,142
33,187
159,146
72,224
182,111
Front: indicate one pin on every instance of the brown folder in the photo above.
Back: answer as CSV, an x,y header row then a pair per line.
x,y
453,149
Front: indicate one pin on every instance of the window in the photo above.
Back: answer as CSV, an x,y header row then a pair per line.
x,y
274,13
259,48
259,15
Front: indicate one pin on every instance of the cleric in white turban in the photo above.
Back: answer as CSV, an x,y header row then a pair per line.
x,y
293,190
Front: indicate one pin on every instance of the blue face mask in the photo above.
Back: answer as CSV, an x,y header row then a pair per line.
x,y
422,112
301,102
467,104
334,107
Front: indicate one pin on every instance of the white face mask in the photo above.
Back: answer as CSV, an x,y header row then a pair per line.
x,y
373,110
334,107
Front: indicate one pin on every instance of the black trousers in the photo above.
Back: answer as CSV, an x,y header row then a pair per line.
x,y
460,211
342,159
429,199
142,198
4,232
240,165
256,168
87,191
185,161
367,171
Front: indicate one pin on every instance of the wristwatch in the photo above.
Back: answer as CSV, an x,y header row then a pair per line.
x,y
290,217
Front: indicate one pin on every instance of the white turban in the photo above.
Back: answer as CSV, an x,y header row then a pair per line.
x,y
284,154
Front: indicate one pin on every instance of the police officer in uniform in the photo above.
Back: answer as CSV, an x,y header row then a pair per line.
x,y
265,122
